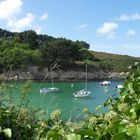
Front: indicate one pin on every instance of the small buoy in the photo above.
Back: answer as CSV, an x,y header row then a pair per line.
x,y
71,85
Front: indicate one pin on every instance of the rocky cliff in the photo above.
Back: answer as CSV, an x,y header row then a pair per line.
x,y
33,73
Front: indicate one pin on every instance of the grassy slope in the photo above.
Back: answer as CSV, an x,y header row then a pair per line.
x,y
107,62
116,62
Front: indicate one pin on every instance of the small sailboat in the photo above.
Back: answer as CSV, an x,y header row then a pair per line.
x,y
83,92
50,89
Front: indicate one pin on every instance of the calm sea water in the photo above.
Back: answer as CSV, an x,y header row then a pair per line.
x,y
71,107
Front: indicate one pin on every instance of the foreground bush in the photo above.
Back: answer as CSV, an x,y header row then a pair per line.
x,y
121,122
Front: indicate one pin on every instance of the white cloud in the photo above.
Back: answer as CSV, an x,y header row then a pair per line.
x,y
9,8
21,24
82,26
125,17
130,33
44,16
108,29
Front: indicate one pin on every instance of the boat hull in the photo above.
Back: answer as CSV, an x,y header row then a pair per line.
x,y
119,86
81,93
49,90
105,83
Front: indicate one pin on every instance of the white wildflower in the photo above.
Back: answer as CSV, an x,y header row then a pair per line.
x,y
8,132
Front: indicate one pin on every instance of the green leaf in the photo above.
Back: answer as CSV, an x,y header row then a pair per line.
x,y
106,136
72,137
88,133
121,136
130,86
54,135
137,131
137,109
113,127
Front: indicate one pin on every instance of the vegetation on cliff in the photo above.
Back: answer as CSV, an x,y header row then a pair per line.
x,y
20,50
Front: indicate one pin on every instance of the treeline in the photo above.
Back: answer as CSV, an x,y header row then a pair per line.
x,y
19,50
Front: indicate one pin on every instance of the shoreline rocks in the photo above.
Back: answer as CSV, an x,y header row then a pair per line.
x,y
34,74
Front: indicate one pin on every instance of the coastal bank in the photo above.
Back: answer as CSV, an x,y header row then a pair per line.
x,y
34,73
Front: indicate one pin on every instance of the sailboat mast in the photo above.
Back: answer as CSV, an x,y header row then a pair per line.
x,y
52,79
86,78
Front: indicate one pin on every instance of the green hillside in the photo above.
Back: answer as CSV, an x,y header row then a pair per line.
x,y
115,62
20,50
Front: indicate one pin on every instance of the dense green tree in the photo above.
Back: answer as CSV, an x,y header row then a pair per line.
x,y
44,39
86,54
60,51
30,37
6,34
15,54
15,57
83,44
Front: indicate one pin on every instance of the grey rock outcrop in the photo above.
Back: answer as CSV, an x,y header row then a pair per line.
x,y
33,73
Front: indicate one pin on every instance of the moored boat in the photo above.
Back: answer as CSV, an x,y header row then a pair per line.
x,y
44,90
119,86
50,89
105,83
82,93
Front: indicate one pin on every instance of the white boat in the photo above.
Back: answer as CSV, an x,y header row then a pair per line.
x,y
50,89
44,90
83,92
119,86
53,89
105,83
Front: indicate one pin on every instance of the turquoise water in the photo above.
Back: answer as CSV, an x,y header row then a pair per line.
x,y
71,107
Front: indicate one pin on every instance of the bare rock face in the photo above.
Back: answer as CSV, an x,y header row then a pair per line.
x,y
71,75
33,73
114,75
